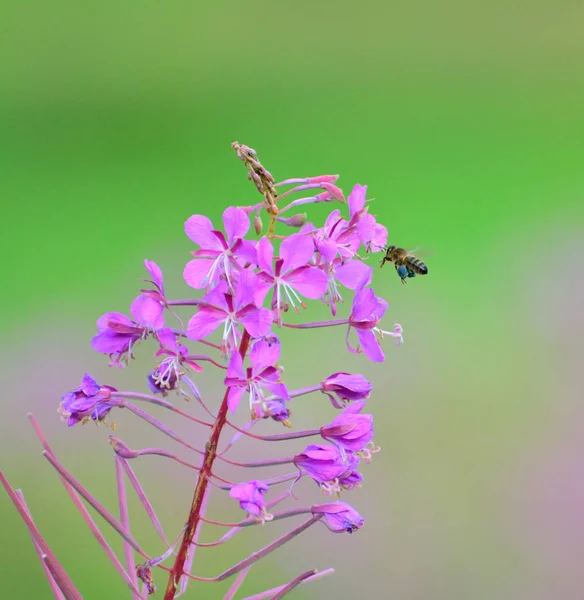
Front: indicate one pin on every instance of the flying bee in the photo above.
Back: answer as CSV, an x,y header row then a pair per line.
x,y
406,264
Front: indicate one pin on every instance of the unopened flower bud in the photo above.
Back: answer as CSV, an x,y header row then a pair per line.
x,y
121,449
258,225
298,220
334,191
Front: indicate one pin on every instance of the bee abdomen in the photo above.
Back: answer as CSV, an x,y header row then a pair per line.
x,y
417,265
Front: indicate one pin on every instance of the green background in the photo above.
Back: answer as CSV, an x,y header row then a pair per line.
x,y
465,119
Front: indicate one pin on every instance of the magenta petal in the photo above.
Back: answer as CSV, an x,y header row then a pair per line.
x,y
263,355
356,199
263,286
332,220
148,312
103,323
265,255
328,249
244,292
258,322
246,253
200,230
234,398
309,282
370,345
216,297
236,223
204,322
167,339
364,304
196,272
296,251
108,342
235,368
89,386
379,238
277,389
354,408
354,274
366,228
155,272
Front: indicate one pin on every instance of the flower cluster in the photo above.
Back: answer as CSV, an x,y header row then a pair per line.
x,y
247,286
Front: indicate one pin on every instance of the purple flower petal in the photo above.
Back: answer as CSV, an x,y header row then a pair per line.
x,y
244,292
354,274
328,249
167,339
296,251
236,223
310,282
235,369
245,252
148,312
200,230
356,199
89,386
265,255
104,322
258,322
370,345
263,355
204,322
155,273
196,272
234,398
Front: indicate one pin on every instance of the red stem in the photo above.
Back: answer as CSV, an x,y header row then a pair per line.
x,y
201,487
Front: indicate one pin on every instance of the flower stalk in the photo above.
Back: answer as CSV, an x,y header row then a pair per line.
x,y
244,291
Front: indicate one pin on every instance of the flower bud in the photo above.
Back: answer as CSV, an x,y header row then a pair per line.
x,y
334,191
258,225
121,449
298,220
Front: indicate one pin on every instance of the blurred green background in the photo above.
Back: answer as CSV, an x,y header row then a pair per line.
x,y
465,119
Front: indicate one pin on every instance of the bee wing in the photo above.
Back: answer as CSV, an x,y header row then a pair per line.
x,y
421,252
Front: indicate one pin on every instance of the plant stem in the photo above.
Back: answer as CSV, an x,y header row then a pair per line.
x,y
201,487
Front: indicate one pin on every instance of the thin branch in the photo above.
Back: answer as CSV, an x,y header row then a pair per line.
x,y
269,593
59,574
52,583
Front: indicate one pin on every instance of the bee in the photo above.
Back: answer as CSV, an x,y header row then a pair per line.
x,y
406,264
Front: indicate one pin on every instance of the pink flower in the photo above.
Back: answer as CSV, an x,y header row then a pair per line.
x,y
350,430
331,468
166,376
344,387
263,374
89,401
367,311
150,304
339,516
251,497
218,258
291,275
117,334
370,233
218,308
